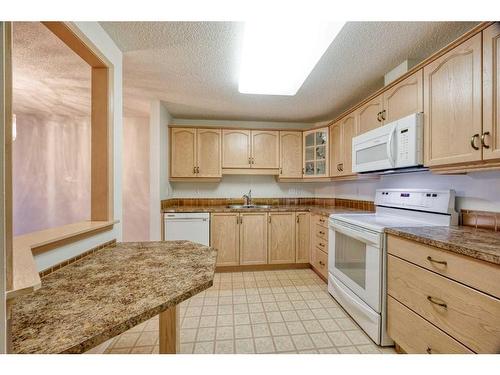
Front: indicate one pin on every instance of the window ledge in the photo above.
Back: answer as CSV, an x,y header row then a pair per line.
x,y
25,275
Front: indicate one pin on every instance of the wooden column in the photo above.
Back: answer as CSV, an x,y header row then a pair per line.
x,y
169,331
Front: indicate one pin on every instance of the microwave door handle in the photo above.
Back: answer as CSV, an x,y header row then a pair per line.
x,y
389,147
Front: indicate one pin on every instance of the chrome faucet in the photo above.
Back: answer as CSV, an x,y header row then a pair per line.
x,y
248,198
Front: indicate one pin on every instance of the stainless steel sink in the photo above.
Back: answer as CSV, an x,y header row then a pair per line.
x,y
248,206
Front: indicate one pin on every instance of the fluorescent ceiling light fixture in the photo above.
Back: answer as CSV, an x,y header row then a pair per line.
x,y
278,56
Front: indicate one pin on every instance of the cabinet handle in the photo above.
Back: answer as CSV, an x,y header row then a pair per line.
x,y
322,220
341,167
298,218
197,169
253,160
321,244
321,232
269,218
378,117
428,350
431,300
321,263
249,160
482,140
194,170
281,170
437,261
473,143
383,115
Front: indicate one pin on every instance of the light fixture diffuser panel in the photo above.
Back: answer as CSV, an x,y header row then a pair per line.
x,y
278,57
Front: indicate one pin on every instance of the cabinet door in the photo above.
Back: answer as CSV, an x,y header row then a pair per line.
x,y
291,154
404,99
225,237
491,92
208,147
368,115
316,153
281,232
302,237
253,238
336,149
349,131
265,149
183,152
452,104
236,148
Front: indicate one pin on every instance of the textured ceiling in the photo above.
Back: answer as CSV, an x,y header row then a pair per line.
x,y
193,67
48,78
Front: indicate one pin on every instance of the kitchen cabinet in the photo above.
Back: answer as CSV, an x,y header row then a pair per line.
x,y
404,98
369,115
452,105
302,237
281,233
253,238
183,152
236,148
225,237
439,301
250,149
341,134
319,242
195,153
491,92
290,154
316,151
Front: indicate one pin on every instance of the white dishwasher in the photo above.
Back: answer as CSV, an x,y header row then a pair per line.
x,y
191,226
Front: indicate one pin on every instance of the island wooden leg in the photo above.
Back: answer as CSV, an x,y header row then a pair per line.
x,y
169,331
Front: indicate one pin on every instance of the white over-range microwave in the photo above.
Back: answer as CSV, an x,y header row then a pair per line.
x,y
396,145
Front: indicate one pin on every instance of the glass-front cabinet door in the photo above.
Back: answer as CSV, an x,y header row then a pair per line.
x,y
316,153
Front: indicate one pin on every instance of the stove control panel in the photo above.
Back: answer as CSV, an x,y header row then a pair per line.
x,y
439,201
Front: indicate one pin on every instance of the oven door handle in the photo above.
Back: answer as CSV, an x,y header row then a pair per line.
x,y
354,234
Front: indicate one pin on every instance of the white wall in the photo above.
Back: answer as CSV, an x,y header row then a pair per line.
x,y
94,35
477,191
159,186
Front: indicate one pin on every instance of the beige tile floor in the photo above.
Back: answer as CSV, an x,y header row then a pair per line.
x,y
286,311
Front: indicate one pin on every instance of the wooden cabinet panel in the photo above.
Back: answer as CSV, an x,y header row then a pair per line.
x,y
491,92
404,98
281,232
265,149
236,146
290,154
336,149
253,238
225,237
458,267
417,336
208,155
349,131
368,115
303,237
321,232
468,315
183,152
320,262
452,103
320,243
316,153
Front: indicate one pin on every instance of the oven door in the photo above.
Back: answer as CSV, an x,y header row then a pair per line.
x,y
355,258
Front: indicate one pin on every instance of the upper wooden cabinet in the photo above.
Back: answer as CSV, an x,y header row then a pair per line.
x,y
265,149
369,115
290,154
316,153
403,99
491,92
452,105
195,153
236,148
341,134
281,234
250,149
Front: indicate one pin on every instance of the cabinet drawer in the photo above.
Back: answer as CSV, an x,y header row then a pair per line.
x,y
321,243
416,335
320,261
469,316
320,220
457,267
321,232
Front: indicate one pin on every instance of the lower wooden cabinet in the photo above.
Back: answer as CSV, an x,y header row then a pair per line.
x,y
253,238
302,237
281,237
225,235
320,261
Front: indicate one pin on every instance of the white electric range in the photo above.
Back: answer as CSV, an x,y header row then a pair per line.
x,y
358,254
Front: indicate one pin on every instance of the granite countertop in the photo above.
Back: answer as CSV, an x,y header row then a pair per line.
x,y
322,210
476,243
104,294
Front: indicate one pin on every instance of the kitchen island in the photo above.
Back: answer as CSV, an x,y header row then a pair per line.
x,y
100,296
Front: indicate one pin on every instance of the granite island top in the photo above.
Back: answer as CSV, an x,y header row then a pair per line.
x,y
321,210
480,244
102,295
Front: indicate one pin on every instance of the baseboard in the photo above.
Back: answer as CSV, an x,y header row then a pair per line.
x,y
262,267
319,274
